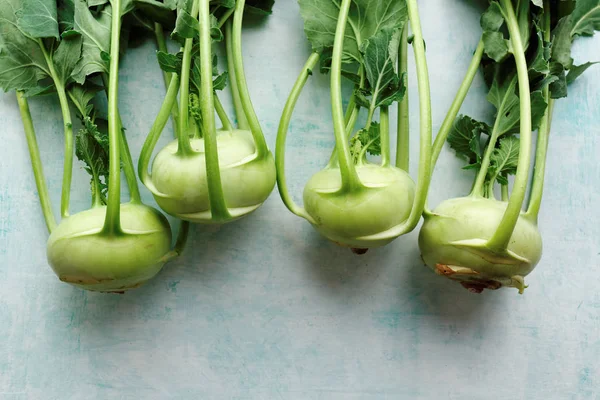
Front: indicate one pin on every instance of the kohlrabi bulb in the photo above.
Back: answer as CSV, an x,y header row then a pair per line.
x,y
82,255
453,243
247,181
362,219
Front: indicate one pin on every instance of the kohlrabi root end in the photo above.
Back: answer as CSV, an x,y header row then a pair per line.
x,y
81,254
454,243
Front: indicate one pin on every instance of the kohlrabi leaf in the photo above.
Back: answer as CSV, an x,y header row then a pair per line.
x,y
82,95
95,31
366,141
38,18
91,147
186,25
67,55
259,7
496,46
66,15
561,43
170,62
504,159
585,18
22,64
380,54
366,18
465,138
576,71
503,95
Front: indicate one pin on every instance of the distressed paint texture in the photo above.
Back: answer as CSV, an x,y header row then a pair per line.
x,y
266,309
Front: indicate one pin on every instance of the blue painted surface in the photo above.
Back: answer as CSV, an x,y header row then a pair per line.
x,y
266,309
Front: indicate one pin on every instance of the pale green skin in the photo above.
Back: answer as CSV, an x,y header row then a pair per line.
x,y
247,181
80,254
365,218
452,242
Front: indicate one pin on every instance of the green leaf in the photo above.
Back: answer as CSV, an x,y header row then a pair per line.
x,y
259,7
170,62
67,55
585,18
22,64
558,87
82,95
38,18
465,138
95,31
504,159
66,15
366,18
561,43
576,71
380,54
91,147
220,82
492,19
496,47
366,140
186,25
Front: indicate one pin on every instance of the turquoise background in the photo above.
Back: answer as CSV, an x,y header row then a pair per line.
x,y
266,308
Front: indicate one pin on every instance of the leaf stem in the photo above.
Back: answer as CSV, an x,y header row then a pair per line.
x,y
36,162
504,190
350,179
159,124
227,126
384,132
459,99
112,222
184,147
262,150
501,238
68,129
128,168
218,207
167,76
282,132
242,121
425,153
403,138
537,186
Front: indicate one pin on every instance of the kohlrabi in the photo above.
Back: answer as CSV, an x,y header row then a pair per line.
x,y
208,175
478,240
63,49
355,202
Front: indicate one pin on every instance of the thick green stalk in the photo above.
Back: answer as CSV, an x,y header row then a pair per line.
x,y
350,179
218,207
68,128
128,168
282,132
459,99
159,124
384,129
36,162
261,145
504,191
167,76
537,186
425,154
403,140
183,139
180,243
501,238
222,114
242,121
112,223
